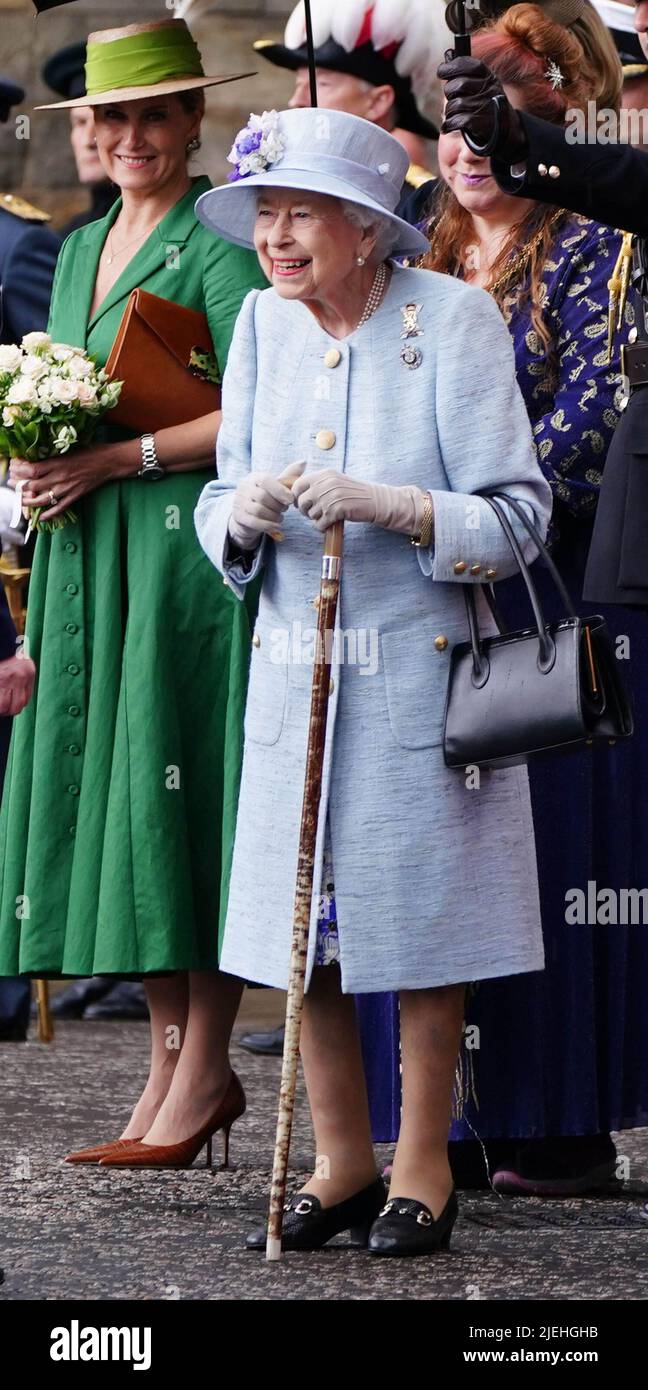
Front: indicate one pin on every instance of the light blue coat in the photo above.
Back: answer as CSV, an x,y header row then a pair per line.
x,y
435,881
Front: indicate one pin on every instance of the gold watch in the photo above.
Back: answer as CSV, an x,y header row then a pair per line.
x,y
423,540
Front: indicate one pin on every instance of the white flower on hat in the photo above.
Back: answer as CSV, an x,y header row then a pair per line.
x,y
258,145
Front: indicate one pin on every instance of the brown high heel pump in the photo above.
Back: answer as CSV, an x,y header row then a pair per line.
x,y
100,1151
182,1155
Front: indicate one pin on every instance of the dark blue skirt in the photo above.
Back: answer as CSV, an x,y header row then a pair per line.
x,y
564,1051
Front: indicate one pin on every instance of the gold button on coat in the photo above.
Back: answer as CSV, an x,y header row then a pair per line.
x,y
554,171
440,642
332,358
542,170
475,569
325,439
256,640
491,574
460,567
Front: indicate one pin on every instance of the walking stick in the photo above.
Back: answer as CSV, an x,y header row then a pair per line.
x,y
45,1021
328,600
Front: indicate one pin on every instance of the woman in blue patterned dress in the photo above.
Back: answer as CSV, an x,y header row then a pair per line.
x,y
561,1057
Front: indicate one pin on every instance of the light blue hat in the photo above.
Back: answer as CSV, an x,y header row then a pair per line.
x,y
319,151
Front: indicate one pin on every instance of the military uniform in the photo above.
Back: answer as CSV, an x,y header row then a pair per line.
x,y
608,183
28,254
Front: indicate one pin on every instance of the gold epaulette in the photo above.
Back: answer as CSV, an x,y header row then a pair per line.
x,y
416,175
21,208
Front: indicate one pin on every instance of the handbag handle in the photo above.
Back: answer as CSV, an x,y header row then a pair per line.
x,y
546,646
543,551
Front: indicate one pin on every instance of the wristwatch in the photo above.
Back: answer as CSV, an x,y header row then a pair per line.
x,y
423,541
151,466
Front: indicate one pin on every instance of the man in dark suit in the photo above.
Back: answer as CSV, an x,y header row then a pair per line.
x,y
28,252
608,182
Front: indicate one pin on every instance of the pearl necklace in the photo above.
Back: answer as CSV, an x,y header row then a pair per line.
x,y
375,294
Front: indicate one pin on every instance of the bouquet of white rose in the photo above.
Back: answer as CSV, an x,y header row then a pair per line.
x,y
51,397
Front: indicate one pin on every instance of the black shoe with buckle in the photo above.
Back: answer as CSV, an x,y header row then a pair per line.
x,y
406,1227
307,1225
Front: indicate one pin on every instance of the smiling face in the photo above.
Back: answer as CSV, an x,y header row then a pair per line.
x,y
307,247
469,176
143,144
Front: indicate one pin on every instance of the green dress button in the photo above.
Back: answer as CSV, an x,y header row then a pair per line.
x,y
73,668
70,547
71,627
74,749
72,830
73,789
71,588
73,709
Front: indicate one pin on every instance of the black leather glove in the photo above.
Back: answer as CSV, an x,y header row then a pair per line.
x,y
478,107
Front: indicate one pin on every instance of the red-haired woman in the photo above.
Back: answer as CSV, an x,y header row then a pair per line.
x,y
555,1070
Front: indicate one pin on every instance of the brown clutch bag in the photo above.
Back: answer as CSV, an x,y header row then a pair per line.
x,y
164,355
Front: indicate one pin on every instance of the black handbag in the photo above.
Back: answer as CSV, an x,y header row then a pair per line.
x,y
549,688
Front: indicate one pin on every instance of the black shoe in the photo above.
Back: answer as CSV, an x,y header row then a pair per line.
x,y
13,1032
307,1225
406,1227
73,1001
560,1167
125,1000
268,1044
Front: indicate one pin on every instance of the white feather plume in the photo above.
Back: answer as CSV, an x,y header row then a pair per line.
x,y
191,9
347,22
417,25
322,12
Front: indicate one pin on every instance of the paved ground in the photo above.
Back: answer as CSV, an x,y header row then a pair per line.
x,y
69,1233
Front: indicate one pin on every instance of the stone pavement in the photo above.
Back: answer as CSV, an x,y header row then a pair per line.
x,y
68,1233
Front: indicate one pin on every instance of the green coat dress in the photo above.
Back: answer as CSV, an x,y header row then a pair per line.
x,y
119,808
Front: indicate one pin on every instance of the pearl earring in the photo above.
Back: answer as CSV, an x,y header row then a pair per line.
x,y
361,260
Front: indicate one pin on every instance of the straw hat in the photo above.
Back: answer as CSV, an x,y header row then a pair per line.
x,y
316,151
142,60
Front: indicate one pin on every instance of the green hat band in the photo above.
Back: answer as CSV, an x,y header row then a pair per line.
x,y
142,60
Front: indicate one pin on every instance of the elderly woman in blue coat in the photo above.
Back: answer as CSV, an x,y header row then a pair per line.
x,y
386,397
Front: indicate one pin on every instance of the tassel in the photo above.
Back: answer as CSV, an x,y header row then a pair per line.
x,y
618,290
465,1088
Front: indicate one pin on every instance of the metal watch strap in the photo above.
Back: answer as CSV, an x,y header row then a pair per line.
x,y
151,465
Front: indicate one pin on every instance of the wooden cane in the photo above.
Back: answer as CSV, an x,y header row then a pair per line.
x,y
328,600
45,1021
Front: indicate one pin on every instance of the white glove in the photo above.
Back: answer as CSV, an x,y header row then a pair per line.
x,y
259,503
328,496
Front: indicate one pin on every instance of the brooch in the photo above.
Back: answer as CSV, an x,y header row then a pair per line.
x,y
410,355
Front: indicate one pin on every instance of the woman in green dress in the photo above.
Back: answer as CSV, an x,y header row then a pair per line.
x,y
119,810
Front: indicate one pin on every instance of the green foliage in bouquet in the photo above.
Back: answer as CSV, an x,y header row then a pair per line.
x,y
52,398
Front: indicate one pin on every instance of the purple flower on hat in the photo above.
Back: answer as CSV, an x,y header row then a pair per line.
x,y
257,146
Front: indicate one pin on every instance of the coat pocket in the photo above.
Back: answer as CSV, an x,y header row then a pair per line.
x,y
266,703
417,666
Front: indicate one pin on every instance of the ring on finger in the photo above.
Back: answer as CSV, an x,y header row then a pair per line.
x,y
53,499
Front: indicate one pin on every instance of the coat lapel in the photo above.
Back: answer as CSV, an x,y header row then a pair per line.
x,y
172,232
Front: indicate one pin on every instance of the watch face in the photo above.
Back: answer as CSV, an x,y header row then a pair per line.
x,y
152,470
